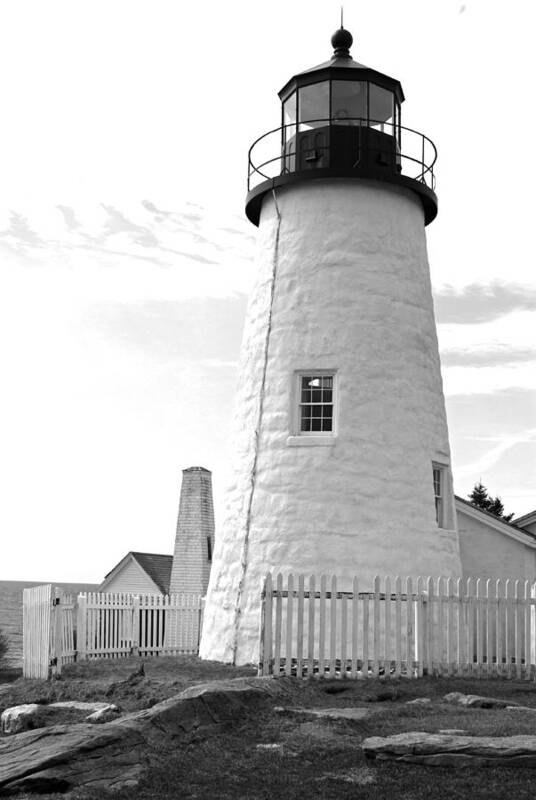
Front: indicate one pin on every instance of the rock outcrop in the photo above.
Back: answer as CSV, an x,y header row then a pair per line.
x,y
37,715
433,749
476,701
115,754
20,718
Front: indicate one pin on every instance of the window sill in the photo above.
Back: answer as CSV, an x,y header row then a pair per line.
x,y
311,441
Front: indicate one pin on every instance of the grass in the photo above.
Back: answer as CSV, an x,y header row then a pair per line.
x,y
291,756
118,681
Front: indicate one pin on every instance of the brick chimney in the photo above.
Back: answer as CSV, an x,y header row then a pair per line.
x,y
194,540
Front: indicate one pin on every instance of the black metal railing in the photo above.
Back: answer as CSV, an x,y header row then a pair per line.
x,y
350,144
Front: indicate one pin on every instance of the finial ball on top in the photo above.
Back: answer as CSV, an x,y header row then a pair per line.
x,y
342,41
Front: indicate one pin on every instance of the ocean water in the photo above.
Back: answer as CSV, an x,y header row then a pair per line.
x,y
11,612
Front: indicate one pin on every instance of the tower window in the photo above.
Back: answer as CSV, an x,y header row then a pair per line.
x,y
209,548
316,403
438,477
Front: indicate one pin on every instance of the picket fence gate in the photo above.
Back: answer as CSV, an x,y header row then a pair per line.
x,y
59,628
402,627
48,631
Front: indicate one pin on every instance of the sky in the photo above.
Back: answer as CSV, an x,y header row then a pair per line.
x,y
126,259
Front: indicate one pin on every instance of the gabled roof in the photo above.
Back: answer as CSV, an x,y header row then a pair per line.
x,y
486,517
156,565
526,519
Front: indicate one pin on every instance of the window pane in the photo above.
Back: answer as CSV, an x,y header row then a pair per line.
x,y
381,107
316,403
289,134
314,105
348,102
289,110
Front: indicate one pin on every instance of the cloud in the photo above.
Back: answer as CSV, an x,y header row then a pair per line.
x,y
19,232
509,412
477,303
136,250
117,222
206,331
493,438
69,217
487,357
494,454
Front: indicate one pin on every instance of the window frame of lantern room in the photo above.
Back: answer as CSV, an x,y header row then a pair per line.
x,y
299,436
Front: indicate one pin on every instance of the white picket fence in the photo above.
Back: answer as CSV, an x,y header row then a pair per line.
x,y
116,624
411,626
59,628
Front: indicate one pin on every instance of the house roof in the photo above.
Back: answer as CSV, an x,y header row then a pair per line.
x,y
526,519
509,528
156,565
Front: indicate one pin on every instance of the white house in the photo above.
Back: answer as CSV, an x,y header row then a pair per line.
x,y
139,573
492,548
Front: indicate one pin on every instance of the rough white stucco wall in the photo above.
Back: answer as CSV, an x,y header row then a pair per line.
x,y
351,293
487,553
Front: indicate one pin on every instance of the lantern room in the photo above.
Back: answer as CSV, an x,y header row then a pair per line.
x,y
341,119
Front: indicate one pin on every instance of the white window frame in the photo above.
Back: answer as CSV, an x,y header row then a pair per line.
x,y
304,438
439,496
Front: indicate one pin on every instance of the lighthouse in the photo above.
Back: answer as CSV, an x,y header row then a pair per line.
x,y
341,454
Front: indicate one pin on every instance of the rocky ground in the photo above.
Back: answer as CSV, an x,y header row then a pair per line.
x,y
244,740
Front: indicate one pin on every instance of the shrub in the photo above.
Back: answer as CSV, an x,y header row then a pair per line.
x,y
4,646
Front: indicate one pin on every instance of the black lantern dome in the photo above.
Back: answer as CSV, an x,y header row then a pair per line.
x,y
341,119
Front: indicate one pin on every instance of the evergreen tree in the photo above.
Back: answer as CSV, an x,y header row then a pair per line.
x,y
479,496
496,507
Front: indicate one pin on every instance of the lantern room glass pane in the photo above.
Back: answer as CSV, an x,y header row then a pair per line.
x,y
313,105
289,134
348,102
289,110
381,105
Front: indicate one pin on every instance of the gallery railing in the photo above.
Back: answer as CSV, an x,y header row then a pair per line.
x,y
347,145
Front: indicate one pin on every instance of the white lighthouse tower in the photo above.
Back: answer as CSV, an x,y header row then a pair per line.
x,y
342,459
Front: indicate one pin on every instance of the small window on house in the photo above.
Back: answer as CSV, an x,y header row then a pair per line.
x,y
316,403
438,476
209,548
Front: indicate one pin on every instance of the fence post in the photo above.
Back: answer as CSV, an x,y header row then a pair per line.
x,y
57,649
81,628
260,665
135,625
532,628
